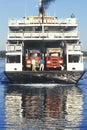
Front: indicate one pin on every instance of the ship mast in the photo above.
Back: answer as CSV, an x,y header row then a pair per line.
x,y
42,10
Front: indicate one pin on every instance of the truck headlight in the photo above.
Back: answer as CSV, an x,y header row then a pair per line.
x,y
48,62
28,61
60,61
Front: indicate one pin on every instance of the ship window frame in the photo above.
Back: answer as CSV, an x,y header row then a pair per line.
x,y
13,58
74,58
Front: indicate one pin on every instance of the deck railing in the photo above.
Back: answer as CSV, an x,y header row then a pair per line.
x,y
59,22
28,34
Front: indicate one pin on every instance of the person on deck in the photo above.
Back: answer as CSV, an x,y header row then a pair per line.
x,y
33,65
41,64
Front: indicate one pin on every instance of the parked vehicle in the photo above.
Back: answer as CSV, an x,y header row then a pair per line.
x,y
33,55
54,58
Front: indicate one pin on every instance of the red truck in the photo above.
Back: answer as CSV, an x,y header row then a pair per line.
x,y
30,55
54,58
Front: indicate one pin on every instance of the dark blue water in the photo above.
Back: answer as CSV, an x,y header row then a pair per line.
x,y
43,106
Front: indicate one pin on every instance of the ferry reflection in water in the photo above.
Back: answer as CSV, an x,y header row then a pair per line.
x,y
43,107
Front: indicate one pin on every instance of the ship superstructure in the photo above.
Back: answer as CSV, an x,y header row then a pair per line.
x,y
40,33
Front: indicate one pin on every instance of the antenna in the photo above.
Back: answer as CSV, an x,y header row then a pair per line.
x,y
25,10
54,10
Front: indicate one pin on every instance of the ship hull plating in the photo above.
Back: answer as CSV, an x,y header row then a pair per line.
x,y
60,77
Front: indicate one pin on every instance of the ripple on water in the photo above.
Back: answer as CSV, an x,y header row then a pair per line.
x,y
43,108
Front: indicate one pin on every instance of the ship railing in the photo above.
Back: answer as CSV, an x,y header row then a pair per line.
x,y
72,34
74,47
67,21
20,22
15,35
15,22
13,47
40,34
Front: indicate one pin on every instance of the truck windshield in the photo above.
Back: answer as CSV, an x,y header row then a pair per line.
x,y
34,55
13,58
54,54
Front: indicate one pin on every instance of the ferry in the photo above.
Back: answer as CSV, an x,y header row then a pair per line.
x,y
55,40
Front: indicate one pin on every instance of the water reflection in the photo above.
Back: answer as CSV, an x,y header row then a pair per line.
x,y
53,107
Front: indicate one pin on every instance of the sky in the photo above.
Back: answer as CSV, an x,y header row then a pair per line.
x,y
10,9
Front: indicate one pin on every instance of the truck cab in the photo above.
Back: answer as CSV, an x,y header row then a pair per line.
x,y
30,55
54,58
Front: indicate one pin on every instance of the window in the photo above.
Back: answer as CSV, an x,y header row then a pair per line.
x,y
13,59
39,28
74,58
34,55
54,54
